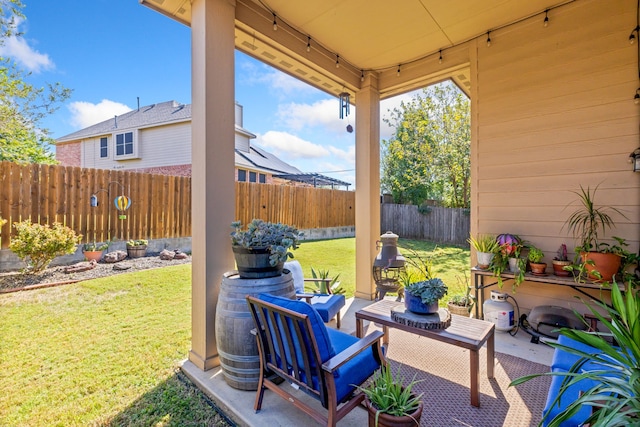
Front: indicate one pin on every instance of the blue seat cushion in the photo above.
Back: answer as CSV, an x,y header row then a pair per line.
x,y
328,306
562,359
570,395
355,371
325,348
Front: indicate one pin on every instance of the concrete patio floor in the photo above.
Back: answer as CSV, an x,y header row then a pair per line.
x,y
238,404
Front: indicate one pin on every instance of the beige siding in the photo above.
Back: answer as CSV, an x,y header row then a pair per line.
x,y
555,110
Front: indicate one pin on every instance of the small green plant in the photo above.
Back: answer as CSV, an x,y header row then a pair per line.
x,y
484,243
325,284
37,245
418,278
139,242
387,393
276,237
96,246
535,254
464,300
429,291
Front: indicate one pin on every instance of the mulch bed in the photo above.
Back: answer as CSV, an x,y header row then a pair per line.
x,y
54,276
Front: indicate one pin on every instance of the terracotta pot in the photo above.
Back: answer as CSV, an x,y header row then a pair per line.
x,y
253,263
558,268
93,255
538,268
386,420
606,264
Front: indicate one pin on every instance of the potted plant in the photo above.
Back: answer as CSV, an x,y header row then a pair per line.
x,y
586,223
390,402
462,304
535,261
508,257
422,290
261,250
137,248
92,251
608,374
560,262
485,246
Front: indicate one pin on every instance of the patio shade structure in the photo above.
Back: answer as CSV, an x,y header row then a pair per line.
x,y
551,108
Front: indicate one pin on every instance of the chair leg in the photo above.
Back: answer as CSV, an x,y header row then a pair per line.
x,y
338,320
259,394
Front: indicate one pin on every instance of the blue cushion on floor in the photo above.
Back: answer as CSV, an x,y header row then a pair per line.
x,y
354,371
328,306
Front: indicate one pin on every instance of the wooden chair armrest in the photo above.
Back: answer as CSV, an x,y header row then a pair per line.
x,y
350,352
306,296
307,279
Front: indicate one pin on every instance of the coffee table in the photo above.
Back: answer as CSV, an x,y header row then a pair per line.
x,y
464,332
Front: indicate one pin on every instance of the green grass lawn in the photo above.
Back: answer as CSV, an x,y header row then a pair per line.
x,y
106,351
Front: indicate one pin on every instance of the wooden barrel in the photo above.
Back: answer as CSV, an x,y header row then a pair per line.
x,y
237,347
136,251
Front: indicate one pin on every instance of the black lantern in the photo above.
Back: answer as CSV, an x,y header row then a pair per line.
x,y
388,266
634,159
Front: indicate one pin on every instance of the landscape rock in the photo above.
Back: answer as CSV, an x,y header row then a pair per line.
x,y
167,255
80,266
122,266
180,255
115,256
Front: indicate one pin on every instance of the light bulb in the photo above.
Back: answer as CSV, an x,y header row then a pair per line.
x,y
632,38
361,76
309,44
636,99
337,61
546,21
488,38
398,73
275,24
440,58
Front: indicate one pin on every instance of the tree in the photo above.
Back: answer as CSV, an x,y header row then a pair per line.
x,y
22,105
428,155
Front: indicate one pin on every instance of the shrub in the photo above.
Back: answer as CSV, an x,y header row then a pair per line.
x,y
37,245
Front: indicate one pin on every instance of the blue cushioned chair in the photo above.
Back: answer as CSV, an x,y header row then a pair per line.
x,y
295,345
327,305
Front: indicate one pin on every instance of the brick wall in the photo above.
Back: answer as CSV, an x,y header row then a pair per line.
x,y
69,154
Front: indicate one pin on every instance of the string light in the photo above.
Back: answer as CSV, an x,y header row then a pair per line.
x,y
361,75
398,73
488,38
636,99
337,61
308,44
275,24
440,58
545,23
632,36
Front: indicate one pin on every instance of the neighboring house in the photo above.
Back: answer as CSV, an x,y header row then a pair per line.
x,y
157,139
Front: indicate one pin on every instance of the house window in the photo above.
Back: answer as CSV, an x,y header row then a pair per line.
x,y
125,145
252,177
242,175
104,147
263,178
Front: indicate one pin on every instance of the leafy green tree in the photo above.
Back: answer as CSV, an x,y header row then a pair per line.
x,y
22,105
428,155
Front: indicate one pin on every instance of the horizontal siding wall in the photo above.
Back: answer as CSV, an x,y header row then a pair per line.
x,y
555,111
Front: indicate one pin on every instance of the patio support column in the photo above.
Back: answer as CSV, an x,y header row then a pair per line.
x,y
213,157
367,183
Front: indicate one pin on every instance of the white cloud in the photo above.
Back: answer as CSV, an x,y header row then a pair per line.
x,y
18,49
84,114
323,113
348,155
288,146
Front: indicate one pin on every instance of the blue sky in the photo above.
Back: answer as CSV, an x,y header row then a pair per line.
x,y
110,53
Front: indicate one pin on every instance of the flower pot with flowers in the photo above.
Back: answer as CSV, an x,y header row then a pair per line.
x,y
507,258
560,262
261,250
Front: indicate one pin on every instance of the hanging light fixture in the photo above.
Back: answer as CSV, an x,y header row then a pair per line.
x,y
636,98
308,44
632,36
545,23
361,75
488,38
398,73
344,104
634,159
440,58
337,61
275,23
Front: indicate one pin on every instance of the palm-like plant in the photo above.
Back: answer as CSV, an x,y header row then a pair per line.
x,y
586,222
614,397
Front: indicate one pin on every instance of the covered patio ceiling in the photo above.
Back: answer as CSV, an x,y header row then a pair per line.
x,y
396,40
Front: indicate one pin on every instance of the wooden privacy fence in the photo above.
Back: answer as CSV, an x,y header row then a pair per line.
x,y
160,204
443,225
